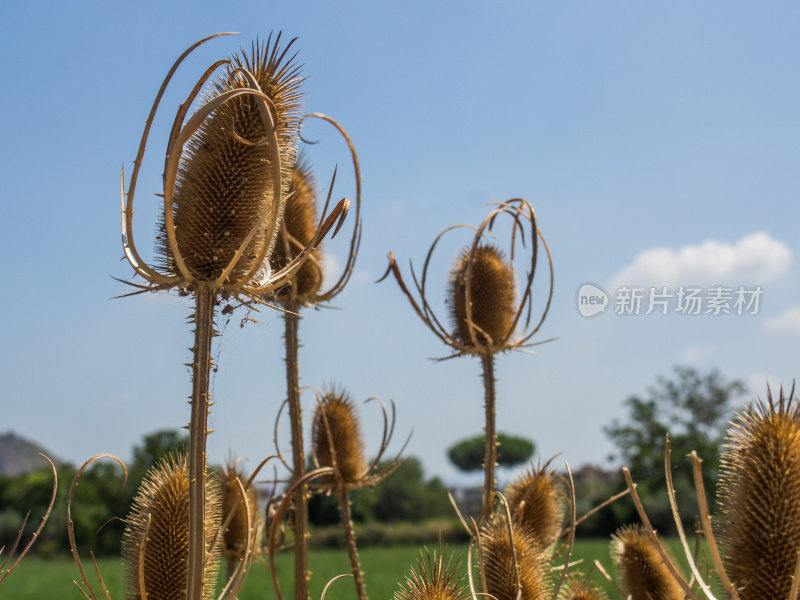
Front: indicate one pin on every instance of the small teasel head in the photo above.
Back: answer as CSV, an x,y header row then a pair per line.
x,y
490,280
336,436
155,545
504,567
644,574
239,510
297,231
434,578
537,502
576,587
224,188
759,497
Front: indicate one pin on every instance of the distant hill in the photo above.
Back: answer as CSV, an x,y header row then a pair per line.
x,y
18,455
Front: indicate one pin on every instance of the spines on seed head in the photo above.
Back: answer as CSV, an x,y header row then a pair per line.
x,y
499,563
577,588
759,498
224,185
644,574
537,502
492,294
155,545
337,438
235,536
433,579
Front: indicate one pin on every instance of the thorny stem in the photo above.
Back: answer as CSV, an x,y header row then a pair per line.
x,y
487,360
198,431
298,455
350,537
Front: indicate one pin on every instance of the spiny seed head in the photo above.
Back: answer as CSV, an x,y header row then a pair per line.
x,y
644,574
234,538
492,293
300,221
224,185
498,564
537,503
157,533
337,436
577,588
759,498
433,579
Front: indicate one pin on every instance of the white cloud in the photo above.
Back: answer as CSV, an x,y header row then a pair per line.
x,y
756,258
697,354
786,322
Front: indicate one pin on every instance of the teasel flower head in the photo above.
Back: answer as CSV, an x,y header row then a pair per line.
x,y
240,510
576,587
486,316
337,442
226,177
155,544
537,502
759,497
512,563
433,579
643,572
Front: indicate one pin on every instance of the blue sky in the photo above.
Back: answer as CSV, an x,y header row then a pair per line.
x,y
659,145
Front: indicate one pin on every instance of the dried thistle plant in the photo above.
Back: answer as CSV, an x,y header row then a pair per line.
x,y
644,573
225,182
759,498
537,502
297,230
577,587
242,516
155,545
5,567
487,318
434,578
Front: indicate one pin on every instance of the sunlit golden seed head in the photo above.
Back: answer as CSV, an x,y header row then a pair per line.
x,y
225,185
498,564
644,574
492,291
433,579
234,538
759,498
337,436
577,588
537,503
157,533
300,223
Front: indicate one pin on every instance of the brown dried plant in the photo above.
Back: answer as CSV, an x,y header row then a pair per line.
x,y
434,578
225,183
297,230
759,498
5,568
242,515
155,545
486,316
537,501
644,573
577,587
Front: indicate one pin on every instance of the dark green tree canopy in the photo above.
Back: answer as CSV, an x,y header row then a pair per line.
x,y
468,455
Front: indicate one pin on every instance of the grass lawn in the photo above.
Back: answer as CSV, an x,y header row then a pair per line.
x,y
37,579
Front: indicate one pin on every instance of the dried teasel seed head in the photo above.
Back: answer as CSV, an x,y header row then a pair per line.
x,y
759,498
224,184
337,436
537,502
492,294
300,223
498,564
433,579
644,574
577,588
234,538
156,539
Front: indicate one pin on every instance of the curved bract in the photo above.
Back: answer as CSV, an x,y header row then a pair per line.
x,y
486,317
225,179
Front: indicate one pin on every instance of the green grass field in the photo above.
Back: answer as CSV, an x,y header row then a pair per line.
x,y
38,579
